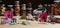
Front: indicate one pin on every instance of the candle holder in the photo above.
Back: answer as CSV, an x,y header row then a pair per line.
x,y
10,6
3,9
23,6
17,2
17,9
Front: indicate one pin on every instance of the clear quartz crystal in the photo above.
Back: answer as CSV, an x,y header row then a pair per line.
x,y
18,18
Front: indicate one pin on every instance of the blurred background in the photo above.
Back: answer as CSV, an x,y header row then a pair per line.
x,y
51,6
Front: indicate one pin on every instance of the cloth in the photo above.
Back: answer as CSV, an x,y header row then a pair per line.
x,y
43,16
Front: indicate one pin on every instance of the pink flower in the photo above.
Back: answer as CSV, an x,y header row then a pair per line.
x,y
8,14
